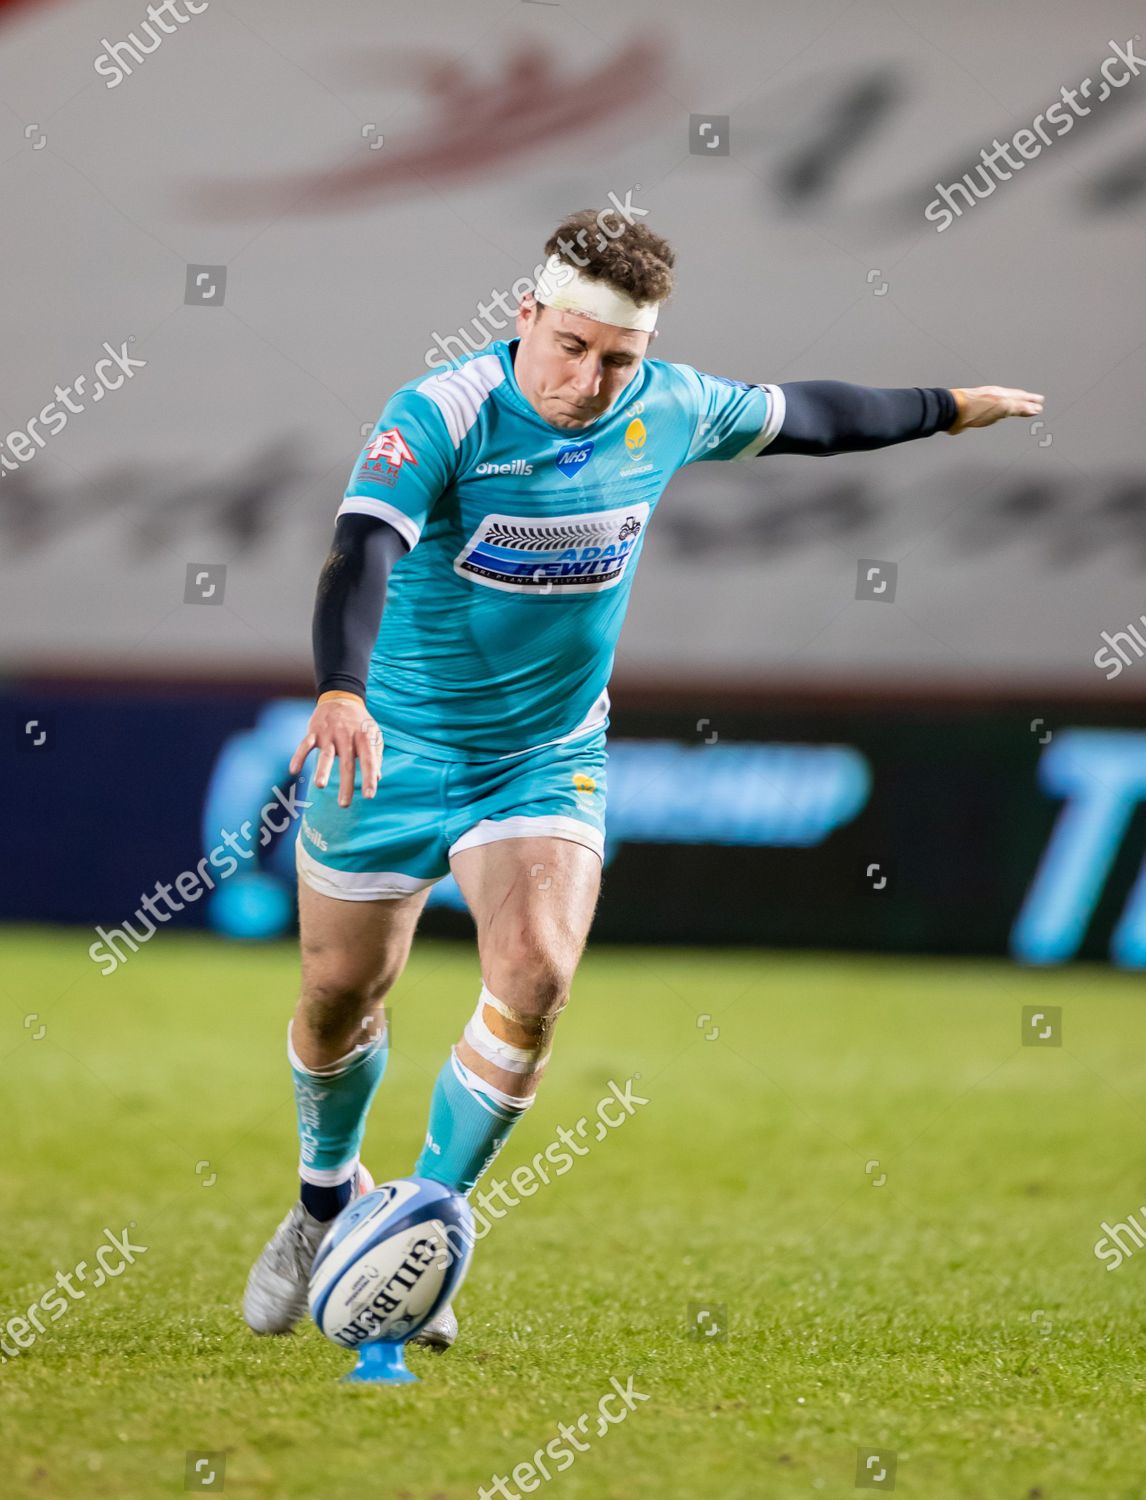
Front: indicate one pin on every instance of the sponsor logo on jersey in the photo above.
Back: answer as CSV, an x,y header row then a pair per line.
x,y
383,458
584,782
636,436
573,457
555,555
514,466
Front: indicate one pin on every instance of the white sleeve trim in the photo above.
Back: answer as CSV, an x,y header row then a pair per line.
x,y
772,425
367,505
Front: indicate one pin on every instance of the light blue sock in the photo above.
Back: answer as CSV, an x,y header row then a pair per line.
x,y
332,1104
470,1122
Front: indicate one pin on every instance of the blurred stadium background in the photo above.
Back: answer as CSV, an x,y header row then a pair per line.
x,y
856,704
775,736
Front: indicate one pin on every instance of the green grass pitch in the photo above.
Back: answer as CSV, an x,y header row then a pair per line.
x,y
893,1201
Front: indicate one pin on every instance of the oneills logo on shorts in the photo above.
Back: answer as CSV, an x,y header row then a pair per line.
x,y
313,835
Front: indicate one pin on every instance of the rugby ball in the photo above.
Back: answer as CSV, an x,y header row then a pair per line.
x,y
390,1261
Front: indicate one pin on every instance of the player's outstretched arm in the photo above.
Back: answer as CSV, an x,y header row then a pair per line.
x,y
347,613
833,416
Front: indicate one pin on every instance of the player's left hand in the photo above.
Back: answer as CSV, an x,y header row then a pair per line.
x,y
341,726
984,404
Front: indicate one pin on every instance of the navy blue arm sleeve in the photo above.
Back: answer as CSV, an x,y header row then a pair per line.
x,y
348,605
832,416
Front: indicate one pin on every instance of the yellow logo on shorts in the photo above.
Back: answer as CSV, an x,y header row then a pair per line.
x,y
584,783
636,434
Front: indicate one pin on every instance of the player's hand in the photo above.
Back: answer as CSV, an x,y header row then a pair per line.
x,y
984,404
341,725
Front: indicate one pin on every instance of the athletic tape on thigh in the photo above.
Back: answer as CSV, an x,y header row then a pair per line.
x,y
495,1049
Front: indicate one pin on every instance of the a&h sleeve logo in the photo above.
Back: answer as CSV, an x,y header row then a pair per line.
x,y
384,456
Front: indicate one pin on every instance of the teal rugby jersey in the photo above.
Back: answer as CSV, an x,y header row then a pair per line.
x,y
501,623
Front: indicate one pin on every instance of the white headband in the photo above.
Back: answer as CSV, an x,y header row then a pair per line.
x,y
563,287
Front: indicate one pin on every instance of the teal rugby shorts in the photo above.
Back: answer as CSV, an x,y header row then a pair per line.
x,y
400,841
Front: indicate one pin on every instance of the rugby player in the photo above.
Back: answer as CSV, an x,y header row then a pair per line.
x,y
466,619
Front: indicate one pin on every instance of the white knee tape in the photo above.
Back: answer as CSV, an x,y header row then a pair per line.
x,y
493,1048
488,998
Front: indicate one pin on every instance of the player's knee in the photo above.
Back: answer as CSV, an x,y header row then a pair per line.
x,y
331,1002
512,1039
535,978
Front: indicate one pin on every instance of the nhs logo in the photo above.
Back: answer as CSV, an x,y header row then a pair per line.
x,y
573,458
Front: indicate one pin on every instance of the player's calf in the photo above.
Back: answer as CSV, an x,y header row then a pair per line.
x,y
485,1086
332,1102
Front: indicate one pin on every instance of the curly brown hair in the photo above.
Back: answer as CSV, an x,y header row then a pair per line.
x,y
634,261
